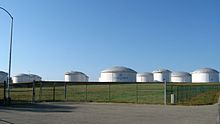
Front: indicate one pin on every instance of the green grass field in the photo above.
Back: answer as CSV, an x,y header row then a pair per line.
x,y
120,93
207,98
194,94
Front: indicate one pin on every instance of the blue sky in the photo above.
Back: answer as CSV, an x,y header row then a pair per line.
x,y
55,36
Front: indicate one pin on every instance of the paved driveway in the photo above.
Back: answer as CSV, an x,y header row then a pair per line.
x,y
92,113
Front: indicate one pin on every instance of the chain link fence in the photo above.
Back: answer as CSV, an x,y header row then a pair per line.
x,y
141,93
193,94
146,93
2,93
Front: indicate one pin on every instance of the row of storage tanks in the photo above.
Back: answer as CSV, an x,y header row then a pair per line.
x,y
20,78
124,74
74,76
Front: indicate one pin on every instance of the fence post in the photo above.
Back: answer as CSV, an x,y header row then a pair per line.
x,y
54,84
40,94
5,91
165,92
109,92
33,93
86,91
136,92
190,94
170,94
65,90
177,95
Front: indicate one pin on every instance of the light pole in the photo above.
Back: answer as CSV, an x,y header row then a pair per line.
x,y
10,52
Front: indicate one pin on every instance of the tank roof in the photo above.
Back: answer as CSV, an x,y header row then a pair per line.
x,y
144,74
179,74
161,71
75,73
19,75
205,70
22,74
116,69
2,72
34,75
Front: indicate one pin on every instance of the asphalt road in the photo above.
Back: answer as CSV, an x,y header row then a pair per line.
x,y
93,113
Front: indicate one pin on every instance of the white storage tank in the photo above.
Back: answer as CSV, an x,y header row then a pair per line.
x,y
24,78
204,75
181,77
145,77
118,74
3,76
75,76
162,74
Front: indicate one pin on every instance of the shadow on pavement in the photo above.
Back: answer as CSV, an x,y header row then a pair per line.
x,y
5,122
38,108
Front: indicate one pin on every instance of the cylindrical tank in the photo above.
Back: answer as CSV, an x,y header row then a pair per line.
x,y
205,75
162,74
3,76
145,77
23,78
20,78
181,77
75,76
118,74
